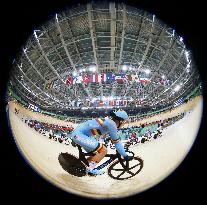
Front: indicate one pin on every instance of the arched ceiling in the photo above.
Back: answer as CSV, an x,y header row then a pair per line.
x,y
109,37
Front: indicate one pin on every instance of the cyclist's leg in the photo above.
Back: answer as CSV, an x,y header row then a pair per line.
x,y
90,144
99,152
93,160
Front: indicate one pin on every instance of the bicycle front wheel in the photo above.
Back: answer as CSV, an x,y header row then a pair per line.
x,y
119,172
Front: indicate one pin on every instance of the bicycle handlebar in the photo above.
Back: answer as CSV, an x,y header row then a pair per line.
x,y
130,153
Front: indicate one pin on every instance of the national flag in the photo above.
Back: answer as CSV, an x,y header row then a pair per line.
x,y
95,103
107,103
100,103
103,77
139,101
167,82
128,77
48,85
135,77
124,102
111,102
162,81
96,78
78,79
118,102
144,80
110,77
120,78
69,80
86,78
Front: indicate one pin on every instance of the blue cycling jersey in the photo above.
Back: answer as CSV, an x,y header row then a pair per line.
x,y
108,127
83,134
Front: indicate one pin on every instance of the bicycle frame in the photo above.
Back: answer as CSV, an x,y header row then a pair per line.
x,y
112,157
116,164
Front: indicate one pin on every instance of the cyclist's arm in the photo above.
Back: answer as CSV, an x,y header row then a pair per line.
x,y
120,148
115,139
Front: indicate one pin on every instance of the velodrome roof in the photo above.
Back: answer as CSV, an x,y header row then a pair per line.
x,y
122,52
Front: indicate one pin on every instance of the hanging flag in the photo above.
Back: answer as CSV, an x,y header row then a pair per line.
x,y
90,78
100,103
78,79
139,101
167,82
120,78
162,81
128,77
118,102
135,77
86,78
69,80
124,102
144,80
107,103
103,77
111,102
48,85
110,77
96,78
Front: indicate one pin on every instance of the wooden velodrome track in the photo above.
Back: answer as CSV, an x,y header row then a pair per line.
x,y
161,156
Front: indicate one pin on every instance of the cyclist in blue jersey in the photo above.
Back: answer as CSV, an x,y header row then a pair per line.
x,y
84,134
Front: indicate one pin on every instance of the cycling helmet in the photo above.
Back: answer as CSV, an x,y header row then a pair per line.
x,y
120,115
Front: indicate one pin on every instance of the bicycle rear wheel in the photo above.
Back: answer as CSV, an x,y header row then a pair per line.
x,y
72,164
119,172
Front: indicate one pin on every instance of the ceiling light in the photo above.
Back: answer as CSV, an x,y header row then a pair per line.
x,y
56,16
173,32
124,67
92,68
25,49
177,88
187,55
188,66
153,18
74,73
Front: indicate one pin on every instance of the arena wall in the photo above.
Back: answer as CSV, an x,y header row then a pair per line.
x,y
37,116
186,107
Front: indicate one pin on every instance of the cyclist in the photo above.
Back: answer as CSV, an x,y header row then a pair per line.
x,y
84,134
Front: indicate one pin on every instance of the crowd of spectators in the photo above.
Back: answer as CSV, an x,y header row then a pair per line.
x,y
147,131
130,135
52,131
